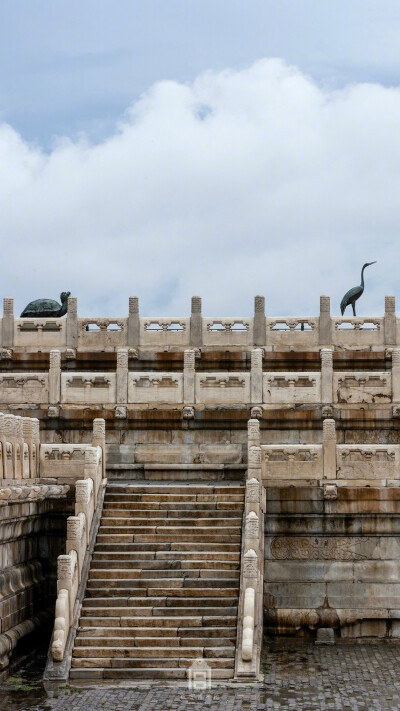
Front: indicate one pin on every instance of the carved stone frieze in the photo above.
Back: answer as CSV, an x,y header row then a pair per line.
x,y
317,548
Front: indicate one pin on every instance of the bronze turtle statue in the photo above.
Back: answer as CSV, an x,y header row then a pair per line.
x,y
43,308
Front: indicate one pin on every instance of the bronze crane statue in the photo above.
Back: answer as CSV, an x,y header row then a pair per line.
x,y
353,294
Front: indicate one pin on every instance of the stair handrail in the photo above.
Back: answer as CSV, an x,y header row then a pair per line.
x,y
250,609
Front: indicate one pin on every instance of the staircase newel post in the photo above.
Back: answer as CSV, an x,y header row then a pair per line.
x,y
99,439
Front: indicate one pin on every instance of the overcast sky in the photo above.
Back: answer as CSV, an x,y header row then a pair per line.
x,y
164,148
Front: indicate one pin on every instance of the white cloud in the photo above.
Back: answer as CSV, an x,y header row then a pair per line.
x,y
244,182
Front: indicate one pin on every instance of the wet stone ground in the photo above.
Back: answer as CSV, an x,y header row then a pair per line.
x,y
297,677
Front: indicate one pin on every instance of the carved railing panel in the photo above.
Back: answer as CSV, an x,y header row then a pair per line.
x,y
293,387
156,388
288,331
62,460
24,388
102,333
227,331
40,332
88,388
226,388
374,461
164,331
358,331
297,461
362,387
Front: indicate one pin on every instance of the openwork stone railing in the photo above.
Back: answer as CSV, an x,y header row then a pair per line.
x,y
70,566
249,631
259,330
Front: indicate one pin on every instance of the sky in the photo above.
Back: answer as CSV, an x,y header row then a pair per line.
x,y
171,148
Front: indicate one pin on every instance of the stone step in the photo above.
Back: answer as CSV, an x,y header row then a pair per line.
x,y
166,538
145,669
123,652
160,597
168,514
176,506
150,521
161,497
144,642
211,633
111,567
89,609
167,557
175,531
170,622
175,488
109,577
160,546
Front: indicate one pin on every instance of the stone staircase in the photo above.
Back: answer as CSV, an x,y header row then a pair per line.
x,y
163,584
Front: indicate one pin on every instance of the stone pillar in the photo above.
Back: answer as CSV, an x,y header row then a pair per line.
x,y
27,430
196,323
35,462
325,324
99,438
326,375
72,322
19,449
10,446
189,375
7,339
329,448
122,376
390,320
259,326
55,377
133,322
396,375
253,433
256,376
2,448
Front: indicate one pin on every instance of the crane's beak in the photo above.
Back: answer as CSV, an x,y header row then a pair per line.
x,y
369,263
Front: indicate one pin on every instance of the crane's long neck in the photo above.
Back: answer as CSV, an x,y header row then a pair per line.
x,y
362,276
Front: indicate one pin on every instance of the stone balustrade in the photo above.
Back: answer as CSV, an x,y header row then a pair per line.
x,y
341,464
70,566
191,387
107,334
71,461
19,447
247,663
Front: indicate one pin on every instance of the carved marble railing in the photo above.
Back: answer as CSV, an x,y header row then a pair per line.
x,y
33,492
19,447
330,463
250,608
69,461
190,387
259,330
70,566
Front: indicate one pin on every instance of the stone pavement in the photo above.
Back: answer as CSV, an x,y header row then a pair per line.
x,y
298,677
